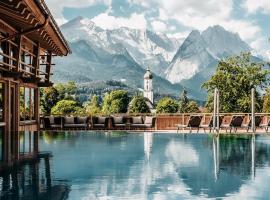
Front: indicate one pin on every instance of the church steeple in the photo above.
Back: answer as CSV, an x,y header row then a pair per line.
x,y
148,85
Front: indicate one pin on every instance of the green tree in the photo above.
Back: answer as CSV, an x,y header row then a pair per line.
x,y
66,107
49,98
115,102
92,107
184,101
192,107
67,90
167,105
266,101
234,78
138,105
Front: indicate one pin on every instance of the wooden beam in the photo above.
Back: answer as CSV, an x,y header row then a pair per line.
x,y
36,59
26,31
17,53
48,67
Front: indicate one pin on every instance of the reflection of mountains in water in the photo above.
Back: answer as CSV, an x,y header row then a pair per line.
x,y
165,164
32,181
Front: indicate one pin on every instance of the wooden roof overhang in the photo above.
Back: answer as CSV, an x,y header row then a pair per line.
x,y
33,19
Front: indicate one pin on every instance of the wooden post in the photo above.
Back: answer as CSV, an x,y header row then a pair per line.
x,y
48,67
36,59
17,52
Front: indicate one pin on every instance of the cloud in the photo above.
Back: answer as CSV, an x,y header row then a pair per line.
x,y
202,14
252,6
106,21
159,26
179,35
57,7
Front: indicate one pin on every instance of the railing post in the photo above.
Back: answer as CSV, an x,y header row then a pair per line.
x,y
215,109
253,110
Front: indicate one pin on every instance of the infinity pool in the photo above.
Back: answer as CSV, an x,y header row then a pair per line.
x,y
117,165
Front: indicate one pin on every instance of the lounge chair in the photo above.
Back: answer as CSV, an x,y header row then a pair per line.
x,y
234,123
193,122
118,122
209,125
100,122
139,122
52,122
75,122
247,125
265,123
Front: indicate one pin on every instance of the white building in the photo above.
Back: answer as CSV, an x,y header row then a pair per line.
x,y
148,86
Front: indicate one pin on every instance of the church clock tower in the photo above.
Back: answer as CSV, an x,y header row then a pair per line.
x,y
148,86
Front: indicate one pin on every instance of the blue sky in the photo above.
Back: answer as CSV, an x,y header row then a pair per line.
x,y
249,18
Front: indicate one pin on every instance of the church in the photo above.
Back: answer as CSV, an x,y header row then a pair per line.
x,y
148,92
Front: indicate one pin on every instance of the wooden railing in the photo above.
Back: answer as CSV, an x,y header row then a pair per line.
x,y
170,121
26,61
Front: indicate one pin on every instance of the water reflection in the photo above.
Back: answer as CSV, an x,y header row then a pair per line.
x,y
32,181
118,165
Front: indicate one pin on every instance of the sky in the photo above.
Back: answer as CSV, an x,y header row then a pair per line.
x,y
176,18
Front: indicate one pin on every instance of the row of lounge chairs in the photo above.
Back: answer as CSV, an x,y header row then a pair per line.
x,y
117,122
232,124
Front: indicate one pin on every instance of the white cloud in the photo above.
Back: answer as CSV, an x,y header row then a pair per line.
x,y
135,21
252,6
56,6
159,26
179,35
202,14
261,46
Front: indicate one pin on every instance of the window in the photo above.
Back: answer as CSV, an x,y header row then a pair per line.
x,y
27,111
1,102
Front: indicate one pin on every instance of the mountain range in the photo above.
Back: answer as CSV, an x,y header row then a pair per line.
x,y
123,54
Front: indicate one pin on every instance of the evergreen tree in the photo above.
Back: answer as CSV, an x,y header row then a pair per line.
x,y
184,101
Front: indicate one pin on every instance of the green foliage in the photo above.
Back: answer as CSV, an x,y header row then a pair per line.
x,y
184,101
167,105
187,106
66,107
92,107
49,98
192,107
138,105
234,78
266,101
115,102
66,90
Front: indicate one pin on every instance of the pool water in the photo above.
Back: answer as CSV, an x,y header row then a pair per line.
x,y
142,166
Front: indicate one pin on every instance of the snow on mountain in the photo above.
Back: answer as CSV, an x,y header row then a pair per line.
x,y
200,51
148,49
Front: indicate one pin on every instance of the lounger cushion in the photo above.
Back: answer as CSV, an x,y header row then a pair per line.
x,y
101,120
56,126
138,125
69,120
99,125
148,120
118,120
51,119
75,125
81,120
120,125
137,120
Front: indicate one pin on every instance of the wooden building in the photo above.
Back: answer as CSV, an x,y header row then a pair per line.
x,y
29,39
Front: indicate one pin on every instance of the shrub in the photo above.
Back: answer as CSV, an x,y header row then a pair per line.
x,y
167,105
